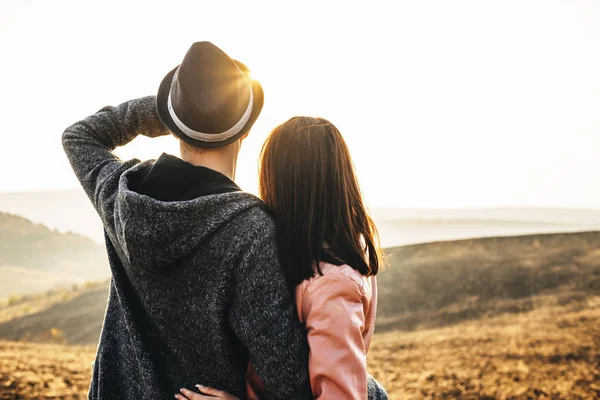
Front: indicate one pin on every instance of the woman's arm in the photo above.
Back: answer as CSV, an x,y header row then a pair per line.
x,y
333,311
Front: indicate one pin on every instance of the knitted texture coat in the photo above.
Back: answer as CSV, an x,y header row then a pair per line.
x,y
196,290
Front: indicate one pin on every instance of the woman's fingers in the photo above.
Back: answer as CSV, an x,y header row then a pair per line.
x,y
188,394
213,392
206,393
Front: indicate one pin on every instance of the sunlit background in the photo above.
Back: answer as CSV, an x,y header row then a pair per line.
x,y
443,103
475,130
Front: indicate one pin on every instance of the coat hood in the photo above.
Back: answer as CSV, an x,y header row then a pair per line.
x,y
156,234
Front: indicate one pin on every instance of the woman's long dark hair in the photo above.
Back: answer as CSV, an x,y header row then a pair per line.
x,y
307,180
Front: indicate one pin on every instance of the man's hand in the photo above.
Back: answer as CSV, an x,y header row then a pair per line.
x,y
206,393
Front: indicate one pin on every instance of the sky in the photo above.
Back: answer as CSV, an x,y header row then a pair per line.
x,y
443,104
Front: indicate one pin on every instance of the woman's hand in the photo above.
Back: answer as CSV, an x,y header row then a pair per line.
x,y
206,393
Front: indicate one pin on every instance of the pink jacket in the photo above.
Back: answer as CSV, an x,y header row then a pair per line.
x,y
338,311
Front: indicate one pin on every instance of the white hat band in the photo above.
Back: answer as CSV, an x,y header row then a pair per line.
x,y
213,137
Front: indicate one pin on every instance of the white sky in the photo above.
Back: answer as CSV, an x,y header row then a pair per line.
x,y
443,103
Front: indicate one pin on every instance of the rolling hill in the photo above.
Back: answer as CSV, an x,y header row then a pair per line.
x,y
424,286
436,284
34,258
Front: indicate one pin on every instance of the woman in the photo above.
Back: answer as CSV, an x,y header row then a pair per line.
x,y
327,247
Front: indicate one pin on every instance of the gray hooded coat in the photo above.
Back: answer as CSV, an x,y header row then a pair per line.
x,y
196,289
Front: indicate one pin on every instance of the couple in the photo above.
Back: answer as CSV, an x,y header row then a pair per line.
x,y
261,299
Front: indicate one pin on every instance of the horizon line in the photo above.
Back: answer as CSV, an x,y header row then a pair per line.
x,y
371,206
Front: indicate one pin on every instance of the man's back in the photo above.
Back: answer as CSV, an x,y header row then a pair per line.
x,y
196,291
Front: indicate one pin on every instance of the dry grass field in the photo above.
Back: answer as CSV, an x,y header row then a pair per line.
x,y
550,353
496,318
44,371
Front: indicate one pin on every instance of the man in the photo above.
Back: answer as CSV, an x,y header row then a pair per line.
x,y
196,291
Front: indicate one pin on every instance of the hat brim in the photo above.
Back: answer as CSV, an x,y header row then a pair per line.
x,y
163,111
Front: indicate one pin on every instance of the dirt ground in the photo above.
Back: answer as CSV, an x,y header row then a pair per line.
x,y
552,353
40,371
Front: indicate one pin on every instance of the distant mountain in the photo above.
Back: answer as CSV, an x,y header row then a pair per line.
x,y
70,210
570,216
65,210
34,257
400,232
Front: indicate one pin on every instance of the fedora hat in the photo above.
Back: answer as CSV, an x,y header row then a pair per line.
x,y
209,100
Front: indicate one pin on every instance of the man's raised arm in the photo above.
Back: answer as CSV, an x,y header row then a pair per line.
x,y
89,145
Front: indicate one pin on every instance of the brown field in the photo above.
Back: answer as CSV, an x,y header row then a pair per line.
x,y
549,353
44,371
495,318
